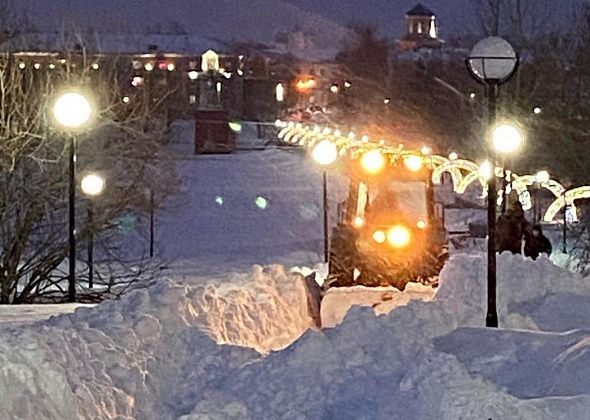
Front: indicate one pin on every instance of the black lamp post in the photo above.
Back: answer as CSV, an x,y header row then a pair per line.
x,y
92,185
72,111
325,153
492,62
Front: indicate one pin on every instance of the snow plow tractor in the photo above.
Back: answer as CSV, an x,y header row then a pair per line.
x,y
390,231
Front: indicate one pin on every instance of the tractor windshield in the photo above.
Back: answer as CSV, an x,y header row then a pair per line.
x,y
405,197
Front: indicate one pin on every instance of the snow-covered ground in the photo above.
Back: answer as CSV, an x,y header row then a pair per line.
x,y
219,338
155,353
27,314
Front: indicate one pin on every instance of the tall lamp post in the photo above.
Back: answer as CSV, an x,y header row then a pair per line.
x,y
325,154
92,185
492,61
72,111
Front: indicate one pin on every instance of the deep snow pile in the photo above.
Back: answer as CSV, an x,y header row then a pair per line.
x,y
148,357
266,311
388,367
152,354
338,301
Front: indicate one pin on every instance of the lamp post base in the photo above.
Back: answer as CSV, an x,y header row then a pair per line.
x,y
492,320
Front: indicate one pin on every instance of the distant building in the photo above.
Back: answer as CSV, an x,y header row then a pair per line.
x,y
166,66
421,30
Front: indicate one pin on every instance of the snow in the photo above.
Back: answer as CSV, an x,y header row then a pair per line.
x,y
338,301
219,337
214,226
115,43
154,353
212,22
26,314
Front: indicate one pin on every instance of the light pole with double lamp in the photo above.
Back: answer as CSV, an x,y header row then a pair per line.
x,y
492,61
92,185
72,112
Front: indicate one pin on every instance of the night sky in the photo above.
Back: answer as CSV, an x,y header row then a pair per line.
x,y
251,19
455,16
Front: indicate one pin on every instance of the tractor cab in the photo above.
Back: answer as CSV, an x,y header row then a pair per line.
x,y
390,231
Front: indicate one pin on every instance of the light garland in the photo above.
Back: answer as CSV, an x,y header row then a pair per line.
x,y
463,172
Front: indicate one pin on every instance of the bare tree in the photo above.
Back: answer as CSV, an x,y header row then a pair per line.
x,y
522,21
126,144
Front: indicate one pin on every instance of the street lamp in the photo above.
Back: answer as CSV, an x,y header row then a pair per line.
x,y
492,61
325,154
72,111
92,185
507,139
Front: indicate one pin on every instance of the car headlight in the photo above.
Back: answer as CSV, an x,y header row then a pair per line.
x,y
399,236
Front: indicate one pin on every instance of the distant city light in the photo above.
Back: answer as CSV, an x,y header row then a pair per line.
x,y
21,65
95,66
305,85
126,99
334,89
219,200
37,66
137,81
537,110
261,202
193,75
453,156
236,127
148,66
170,67
472,95
280,92
386,101
347,84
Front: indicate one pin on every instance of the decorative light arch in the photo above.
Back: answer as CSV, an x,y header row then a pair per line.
x,y
463,172
567,198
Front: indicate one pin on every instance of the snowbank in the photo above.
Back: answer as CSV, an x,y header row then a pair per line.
x,y
389,367
338,301
153,354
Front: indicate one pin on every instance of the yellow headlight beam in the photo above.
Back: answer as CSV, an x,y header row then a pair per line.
x,y
399,236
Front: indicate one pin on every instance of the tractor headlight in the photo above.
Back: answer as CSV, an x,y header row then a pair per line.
x,y
373,161
399,236
379,236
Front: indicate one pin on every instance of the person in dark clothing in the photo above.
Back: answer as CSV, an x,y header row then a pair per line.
x,y
512,227
536,243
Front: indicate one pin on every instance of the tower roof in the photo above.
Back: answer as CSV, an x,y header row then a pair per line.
x,y
420,10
